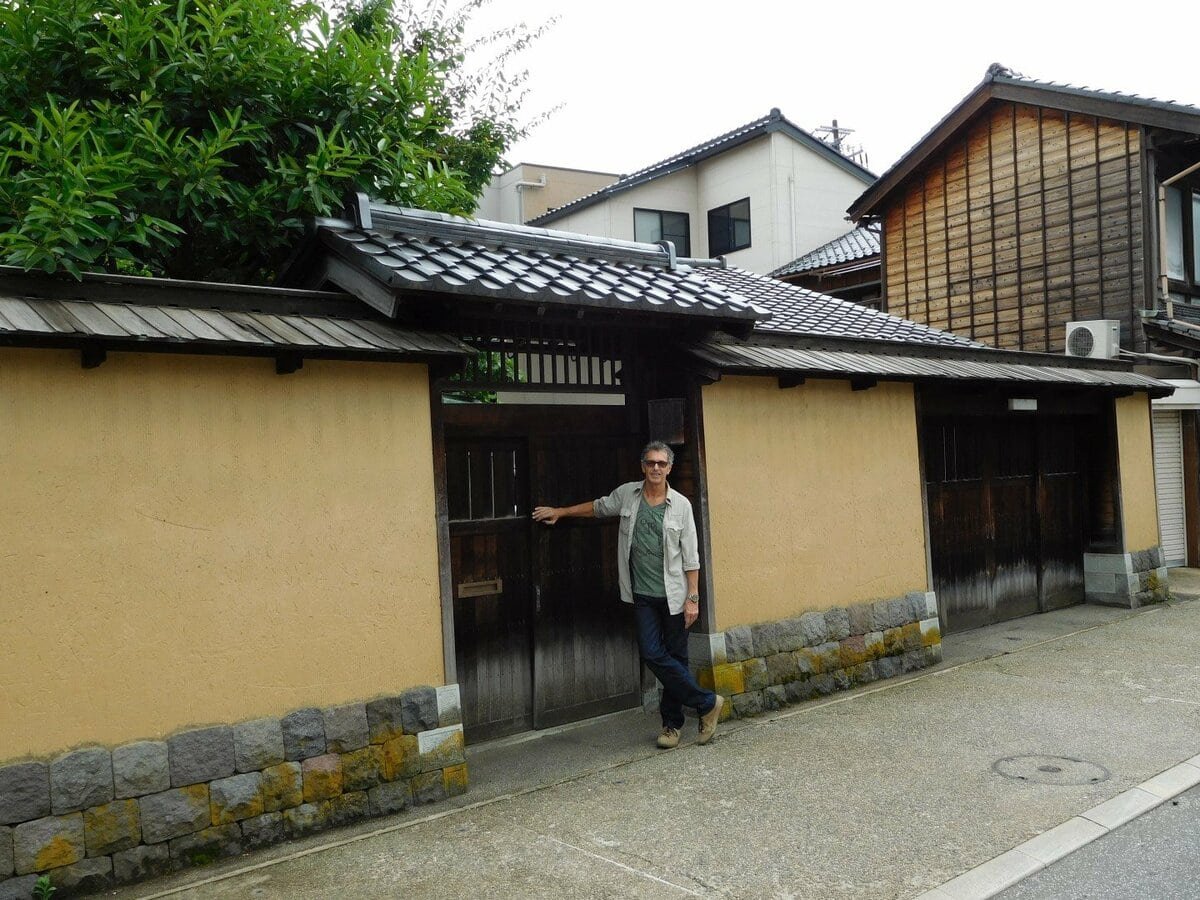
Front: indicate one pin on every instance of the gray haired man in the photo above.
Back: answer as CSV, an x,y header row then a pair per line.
x,y
659,573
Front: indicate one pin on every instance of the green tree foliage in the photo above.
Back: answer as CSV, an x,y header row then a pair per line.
x,y
193,139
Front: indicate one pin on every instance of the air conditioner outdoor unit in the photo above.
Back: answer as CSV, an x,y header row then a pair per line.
x,y
1098,339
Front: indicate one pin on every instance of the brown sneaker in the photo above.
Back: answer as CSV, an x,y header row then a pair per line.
x,y
708,721
669,739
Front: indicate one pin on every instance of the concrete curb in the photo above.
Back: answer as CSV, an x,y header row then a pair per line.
x,y
1017,864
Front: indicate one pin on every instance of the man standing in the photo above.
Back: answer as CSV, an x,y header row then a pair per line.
x,y
659,573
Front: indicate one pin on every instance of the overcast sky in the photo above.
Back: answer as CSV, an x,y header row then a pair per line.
x,y
639,80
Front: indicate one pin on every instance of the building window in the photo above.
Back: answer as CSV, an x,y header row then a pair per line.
x,y
654,225
729,228
1183,241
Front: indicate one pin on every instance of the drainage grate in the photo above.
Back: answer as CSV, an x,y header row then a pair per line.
x,y
1050,769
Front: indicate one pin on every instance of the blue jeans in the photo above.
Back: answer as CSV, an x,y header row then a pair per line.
x,y
663,642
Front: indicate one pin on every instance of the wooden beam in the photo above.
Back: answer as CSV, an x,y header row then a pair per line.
x,y
287,363
790,381
92,356
1191,484
863,384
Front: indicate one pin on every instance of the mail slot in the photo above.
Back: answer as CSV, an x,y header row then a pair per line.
x,y
480,588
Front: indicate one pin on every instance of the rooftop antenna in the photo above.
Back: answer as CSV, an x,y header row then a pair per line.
x,y
835,136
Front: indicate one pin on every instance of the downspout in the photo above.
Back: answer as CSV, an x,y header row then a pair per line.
x,y
1164,288
540,183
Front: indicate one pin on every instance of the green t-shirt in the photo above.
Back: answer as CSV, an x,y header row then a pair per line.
x,y
646,551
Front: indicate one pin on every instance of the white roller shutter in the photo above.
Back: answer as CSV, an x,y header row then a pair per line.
x,y
1168,485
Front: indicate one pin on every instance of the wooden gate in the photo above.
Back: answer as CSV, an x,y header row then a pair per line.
x,y
541,636
1005,516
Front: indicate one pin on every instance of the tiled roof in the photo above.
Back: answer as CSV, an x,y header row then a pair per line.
x,y
861,243
797,310
130,324
410,250
773,121
770,357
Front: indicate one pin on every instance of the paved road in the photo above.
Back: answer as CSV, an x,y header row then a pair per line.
x,y
1155,857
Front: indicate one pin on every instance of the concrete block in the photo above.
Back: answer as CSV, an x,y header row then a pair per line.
x,y
303,734
837,623
389,798
173,813
6,852
993,876
931,632
362,769
140,768
385,719
1173,781
703,649
24,792
429,787
813,626
441,747
84,877
1099,583
80,779
449,705
456,780
282,786
48,843
322,777
739,643
419,709
345,727
754,674
401,757
235,798
1114,813
931,605
257,744
1051,846
112,827
18,888
262,831
141,862
206,846
1112,563
201,754
306,818
349,807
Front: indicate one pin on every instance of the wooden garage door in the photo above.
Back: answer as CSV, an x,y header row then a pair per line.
x,y
1005,516
1168,486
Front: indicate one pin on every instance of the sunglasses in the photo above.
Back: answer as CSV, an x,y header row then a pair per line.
x,y
656,464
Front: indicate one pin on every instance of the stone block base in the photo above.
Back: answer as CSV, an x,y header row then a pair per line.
x,y
1125,579
95,817
766,666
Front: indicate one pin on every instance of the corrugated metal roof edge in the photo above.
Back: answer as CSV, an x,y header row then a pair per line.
x,y
961,371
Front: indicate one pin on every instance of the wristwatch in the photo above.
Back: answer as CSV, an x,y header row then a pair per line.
x,y
694,598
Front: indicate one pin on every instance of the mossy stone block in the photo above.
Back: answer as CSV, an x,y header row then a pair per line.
x,y
262,831
140,768
112,827
754,674
728,679
853,651
235,798
362,769
748,704
48,843
141,862
322,777
170,814
84,877
346,728
390,797
428,787
441,747
348,808
401,758
303,734
80,779
455,779
385,719
306,819
931,632
910,636
206,846
282,786
6,852
781,668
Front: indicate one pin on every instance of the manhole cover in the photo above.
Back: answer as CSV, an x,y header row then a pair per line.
x,y
1050,769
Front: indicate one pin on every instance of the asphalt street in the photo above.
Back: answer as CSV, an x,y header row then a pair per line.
x,y
1154,857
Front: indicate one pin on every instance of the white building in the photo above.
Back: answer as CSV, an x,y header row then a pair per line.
x,y
759,195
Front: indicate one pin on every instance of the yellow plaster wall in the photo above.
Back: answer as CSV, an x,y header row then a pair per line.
x,y
191,540
1136,456
815,496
